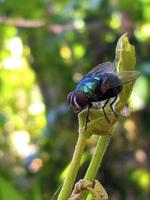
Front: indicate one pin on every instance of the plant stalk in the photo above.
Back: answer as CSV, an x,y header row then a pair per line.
x,y
74,167
95,163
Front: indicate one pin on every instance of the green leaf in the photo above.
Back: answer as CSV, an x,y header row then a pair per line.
x,y
125,54
125,60
8,192
98,124
37,190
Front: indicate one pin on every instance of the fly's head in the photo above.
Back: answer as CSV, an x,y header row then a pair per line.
x,y
77,100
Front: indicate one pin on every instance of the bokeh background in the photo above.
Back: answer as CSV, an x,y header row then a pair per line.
x,y
45,49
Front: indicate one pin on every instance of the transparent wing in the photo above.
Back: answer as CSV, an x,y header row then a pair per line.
x,y
126,77
129,76
106,66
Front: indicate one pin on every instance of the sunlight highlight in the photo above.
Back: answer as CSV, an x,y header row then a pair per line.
x,y
137,103
11,63
15,47
77,77
115,20
141,178
140,155
130,127
143,32
36,164
20,141
139,95
78,51
65,52
79,23
36,108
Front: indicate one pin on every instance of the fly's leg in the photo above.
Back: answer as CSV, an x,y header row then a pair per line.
x,y
87,115
111,106
104,110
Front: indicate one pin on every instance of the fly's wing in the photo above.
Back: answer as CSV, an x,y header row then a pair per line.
x,y
125,77
128,76
106,66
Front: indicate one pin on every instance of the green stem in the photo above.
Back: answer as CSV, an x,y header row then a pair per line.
x,y
74,167
96,160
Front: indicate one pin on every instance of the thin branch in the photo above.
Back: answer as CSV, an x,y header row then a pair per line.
x,y
29,23
20,22
39,23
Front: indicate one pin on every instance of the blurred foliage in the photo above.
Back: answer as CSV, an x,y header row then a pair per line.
x,y
45,49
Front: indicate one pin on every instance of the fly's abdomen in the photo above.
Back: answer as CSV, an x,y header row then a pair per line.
x,y
111,86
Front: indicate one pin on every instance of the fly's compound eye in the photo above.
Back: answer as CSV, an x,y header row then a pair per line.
x,y
70,98
77,100
81,99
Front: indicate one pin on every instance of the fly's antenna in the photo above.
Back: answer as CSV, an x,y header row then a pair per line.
x,y
55,194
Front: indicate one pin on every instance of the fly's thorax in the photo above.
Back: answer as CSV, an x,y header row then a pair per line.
x,y
77,100
88,85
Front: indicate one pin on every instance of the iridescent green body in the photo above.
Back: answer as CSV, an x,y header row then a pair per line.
x,y
88,85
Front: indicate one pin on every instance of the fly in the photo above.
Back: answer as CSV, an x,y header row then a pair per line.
x,y
101,84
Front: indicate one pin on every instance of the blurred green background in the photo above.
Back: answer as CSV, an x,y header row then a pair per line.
x,y
45,49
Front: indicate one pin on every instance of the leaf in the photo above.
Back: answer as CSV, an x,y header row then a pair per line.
x,y
125,60
8,191
80,186
75,197
98,124
98,192
125,54
37,195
